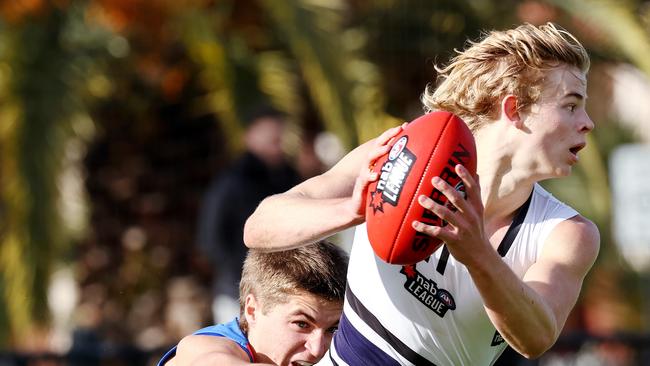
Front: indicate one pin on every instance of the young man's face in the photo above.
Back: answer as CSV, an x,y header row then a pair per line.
x,y
294,333
558,122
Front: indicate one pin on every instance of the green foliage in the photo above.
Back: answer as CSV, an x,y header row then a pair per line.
x,y
43,71
313,34
204,35
618,23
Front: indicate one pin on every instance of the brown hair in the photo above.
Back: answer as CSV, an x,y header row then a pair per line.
x,y
504,62
318,269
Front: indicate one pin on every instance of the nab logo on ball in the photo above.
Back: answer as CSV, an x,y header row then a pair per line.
x,y
393,174
398,147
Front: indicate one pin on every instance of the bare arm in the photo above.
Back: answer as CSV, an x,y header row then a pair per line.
x,y
202,350
320,206
530,312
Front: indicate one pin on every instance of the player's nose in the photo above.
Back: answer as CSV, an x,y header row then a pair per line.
x,y
317,344
586,123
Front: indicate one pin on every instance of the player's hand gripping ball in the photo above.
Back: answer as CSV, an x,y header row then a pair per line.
x,y
429,146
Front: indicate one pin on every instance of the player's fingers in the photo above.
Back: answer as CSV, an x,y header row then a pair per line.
x,y
382,145
378,152
426,229
372,176
367,175
472,187
361,184
439,210
456,199
444,233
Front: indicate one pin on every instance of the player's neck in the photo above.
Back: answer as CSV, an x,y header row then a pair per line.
x,y
505,184
503,194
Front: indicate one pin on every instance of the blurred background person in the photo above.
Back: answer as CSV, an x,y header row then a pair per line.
x,y
262,170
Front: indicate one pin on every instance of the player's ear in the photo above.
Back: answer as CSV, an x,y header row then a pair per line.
x,y
509,111
251,308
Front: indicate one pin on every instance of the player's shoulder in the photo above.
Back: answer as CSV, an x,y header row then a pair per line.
x,y
198,344
584,228
577,235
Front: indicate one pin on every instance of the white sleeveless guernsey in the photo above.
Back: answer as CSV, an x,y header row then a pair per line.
x,y
431,313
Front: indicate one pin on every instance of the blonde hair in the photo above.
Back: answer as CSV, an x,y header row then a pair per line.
x,y
506,62
318,269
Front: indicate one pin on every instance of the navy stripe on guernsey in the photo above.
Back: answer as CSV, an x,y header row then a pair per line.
x,y
355,349
350,344
513,230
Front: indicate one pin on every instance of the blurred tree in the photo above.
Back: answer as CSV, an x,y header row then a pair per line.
x,y
251,51
44,63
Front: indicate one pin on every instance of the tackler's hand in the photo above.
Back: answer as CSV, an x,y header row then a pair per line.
x,y
464,233
368,172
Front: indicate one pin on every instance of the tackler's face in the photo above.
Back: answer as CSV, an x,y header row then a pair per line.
x,y
295,333
558,122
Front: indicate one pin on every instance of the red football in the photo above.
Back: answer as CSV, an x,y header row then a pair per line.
x,y
429,146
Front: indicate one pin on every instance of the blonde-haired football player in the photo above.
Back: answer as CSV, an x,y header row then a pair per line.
x,y
515,257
